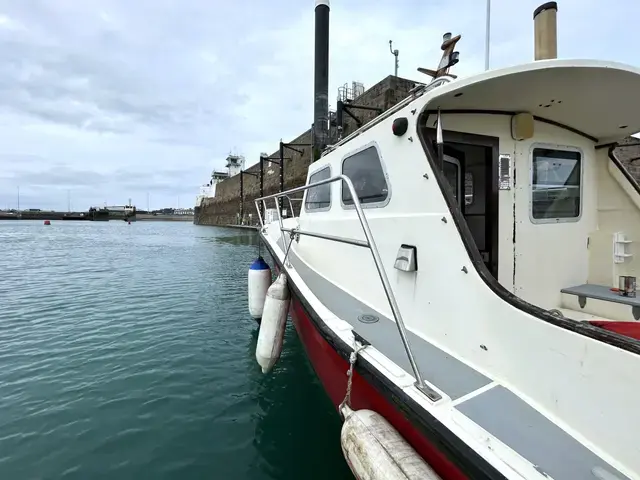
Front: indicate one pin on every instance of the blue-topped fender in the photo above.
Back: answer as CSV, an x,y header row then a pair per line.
x,y
259,264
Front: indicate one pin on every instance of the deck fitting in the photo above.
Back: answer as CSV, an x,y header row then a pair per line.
x,y
429,392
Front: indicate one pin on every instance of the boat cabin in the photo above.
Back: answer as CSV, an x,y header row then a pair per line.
x,y
496,223
529,159
527,170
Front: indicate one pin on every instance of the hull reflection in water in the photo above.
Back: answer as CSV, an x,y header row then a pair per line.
x,y
290,399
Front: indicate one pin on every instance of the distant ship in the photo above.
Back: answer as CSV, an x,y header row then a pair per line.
x,y
124,212
207,191
98,214
235,164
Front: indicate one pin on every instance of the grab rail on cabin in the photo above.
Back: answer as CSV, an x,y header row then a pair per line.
x,y
368,243
291,204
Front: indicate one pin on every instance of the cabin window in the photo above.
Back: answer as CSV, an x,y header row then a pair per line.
x,y
319,198
555,185
367,175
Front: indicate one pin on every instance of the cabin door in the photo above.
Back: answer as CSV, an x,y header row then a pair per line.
x,y
471,169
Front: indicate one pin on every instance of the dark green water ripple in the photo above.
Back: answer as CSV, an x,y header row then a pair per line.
x,y
126,351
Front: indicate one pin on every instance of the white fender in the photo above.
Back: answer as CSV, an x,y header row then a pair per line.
x,y
374,449
274,322
259,279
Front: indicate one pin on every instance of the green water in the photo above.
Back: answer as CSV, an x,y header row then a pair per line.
x,y
126,351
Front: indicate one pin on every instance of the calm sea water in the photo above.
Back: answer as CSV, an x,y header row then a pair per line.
x,y
126,351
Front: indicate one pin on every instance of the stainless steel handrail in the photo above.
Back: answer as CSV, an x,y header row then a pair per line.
x,y
348,241
264,205
371,244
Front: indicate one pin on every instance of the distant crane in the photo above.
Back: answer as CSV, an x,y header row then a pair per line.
x,y
395,53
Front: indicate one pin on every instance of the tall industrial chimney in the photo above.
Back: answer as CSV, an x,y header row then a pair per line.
x,y
321,75
546,31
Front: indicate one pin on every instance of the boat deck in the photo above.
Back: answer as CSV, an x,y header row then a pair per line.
x,y
488,404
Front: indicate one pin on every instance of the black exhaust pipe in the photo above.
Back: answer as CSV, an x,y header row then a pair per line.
x,y
321,76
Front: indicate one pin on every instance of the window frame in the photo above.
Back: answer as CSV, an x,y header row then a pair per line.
x,y
360,149
581,160
330,185
459,184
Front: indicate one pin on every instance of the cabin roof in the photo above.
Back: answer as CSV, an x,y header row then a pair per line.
x,y
597,98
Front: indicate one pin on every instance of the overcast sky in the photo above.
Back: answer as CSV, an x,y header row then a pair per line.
x,y
105,100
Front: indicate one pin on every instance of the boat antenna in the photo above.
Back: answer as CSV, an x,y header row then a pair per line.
x,y
395,53
487,36
440,140
448,60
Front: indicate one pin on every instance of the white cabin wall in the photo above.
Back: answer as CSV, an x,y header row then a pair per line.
x,y
545,257
413,216
550,257
618,211
494,126
414,198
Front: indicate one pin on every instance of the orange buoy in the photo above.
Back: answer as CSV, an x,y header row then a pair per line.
x,y
47,222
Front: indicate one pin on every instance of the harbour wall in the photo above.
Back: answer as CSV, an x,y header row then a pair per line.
x,y
628,152
50,215
227,208
40,215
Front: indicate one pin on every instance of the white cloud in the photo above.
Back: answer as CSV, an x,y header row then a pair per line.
x,y
114,99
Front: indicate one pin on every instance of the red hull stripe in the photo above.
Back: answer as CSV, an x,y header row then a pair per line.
x,y
629,329
329,354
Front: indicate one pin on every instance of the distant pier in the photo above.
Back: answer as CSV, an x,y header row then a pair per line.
x,y
42,215
127,213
